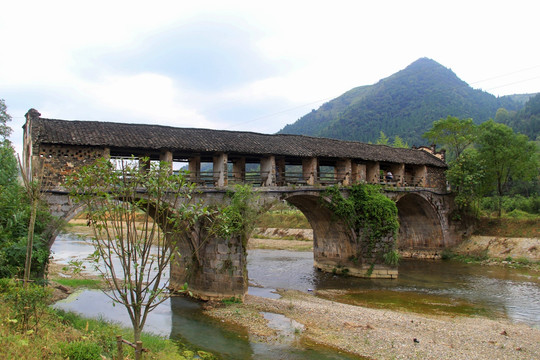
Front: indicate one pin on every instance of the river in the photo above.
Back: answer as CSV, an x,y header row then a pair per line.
x,y
422,286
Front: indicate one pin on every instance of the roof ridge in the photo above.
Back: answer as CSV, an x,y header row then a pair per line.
x,y
189,140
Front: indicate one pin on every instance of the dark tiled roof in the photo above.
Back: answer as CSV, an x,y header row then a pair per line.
x,y
186,140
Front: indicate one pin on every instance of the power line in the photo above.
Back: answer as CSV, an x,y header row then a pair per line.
x,y
277,113
504,75
515,82
398,76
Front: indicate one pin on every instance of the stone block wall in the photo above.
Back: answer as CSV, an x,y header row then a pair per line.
x,y
436,178
218,272
60,160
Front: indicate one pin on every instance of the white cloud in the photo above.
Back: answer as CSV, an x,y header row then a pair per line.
x,y
319,51
145,97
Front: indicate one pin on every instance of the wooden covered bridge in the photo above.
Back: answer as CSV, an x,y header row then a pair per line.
x,y
293,168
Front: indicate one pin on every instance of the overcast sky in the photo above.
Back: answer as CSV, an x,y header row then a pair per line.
x,y
246,65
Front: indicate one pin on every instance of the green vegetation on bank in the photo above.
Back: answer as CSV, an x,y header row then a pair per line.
x,y
15,213
483,258
32,330
488,160
283,216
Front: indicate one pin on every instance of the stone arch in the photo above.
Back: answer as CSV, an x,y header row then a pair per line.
x,y
63,209
420,225
333,245
68,210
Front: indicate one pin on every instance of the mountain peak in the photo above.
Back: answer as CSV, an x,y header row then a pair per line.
x,y
405,104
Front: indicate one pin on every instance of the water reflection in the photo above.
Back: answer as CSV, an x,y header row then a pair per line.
x,y
515,293
510,292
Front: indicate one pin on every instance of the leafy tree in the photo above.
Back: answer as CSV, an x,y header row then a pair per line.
x,y
8,162
383,139
16,214
8,165
399,143
5,130
134,215
453,133
465,174
506,155
502,116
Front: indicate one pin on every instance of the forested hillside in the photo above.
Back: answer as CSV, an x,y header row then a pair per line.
x,y
404,104
526,120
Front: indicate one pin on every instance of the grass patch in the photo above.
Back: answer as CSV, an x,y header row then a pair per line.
x,y
284,219
469,259
80,283
482,258
509,226
411,302
62,334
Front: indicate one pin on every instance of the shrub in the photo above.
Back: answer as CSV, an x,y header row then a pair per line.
x,y
80,350
519,214
29,304
529,205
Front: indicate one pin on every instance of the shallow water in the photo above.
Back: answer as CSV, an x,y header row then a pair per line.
x,y
182,319
468,289
422,286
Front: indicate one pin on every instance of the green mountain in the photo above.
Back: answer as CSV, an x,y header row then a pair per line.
x,y
404,104
526,120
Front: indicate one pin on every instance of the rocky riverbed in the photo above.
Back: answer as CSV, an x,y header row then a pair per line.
x,y
383,334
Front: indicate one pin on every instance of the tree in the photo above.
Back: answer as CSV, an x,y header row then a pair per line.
x,y
5,130
383,139
506,155
8,164
8,161
134,214
502,116
465,175
399,143
23,221
453,133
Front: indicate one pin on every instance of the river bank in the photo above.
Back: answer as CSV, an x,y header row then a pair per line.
x,y
384,334
389,334
373,333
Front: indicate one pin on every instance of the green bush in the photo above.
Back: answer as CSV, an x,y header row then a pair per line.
x,y
519,214
14,219
80,350
29,304
529,205
6,285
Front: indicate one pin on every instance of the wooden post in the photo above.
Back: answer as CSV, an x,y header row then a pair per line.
x,y
268,171
119,349
309,170
167,156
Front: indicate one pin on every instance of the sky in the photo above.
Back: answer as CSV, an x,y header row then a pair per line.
x,y
246,65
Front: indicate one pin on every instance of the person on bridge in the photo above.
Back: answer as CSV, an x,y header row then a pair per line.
x,y
389,176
